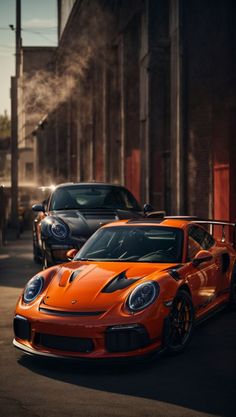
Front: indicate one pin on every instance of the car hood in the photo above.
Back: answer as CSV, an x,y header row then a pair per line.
x,y
97,286
87,221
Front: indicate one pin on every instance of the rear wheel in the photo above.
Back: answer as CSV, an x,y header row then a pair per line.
x,y
179,325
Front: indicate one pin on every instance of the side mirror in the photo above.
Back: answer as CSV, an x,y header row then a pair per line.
x,y
71,254
38,207
147,208
202,256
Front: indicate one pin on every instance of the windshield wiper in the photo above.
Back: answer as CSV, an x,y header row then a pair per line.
x,y
65,208
98,208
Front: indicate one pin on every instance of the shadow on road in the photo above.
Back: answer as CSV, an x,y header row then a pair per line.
x,y
201,379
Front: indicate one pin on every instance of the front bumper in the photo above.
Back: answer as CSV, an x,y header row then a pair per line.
x,y
118,341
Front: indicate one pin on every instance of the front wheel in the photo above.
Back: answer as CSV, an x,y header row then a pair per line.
x,y
45,261
178,326
36,256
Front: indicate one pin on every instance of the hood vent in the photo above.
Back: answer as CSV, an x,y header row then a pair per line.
x,y
100,215
119,282
74,275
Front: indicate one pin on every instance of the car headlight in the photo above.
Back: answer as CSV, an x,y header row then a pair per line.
x,y
33,288
143,295
59,230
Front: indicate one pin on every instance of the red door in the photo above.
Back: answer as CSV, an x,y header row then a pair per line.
x,y
221,192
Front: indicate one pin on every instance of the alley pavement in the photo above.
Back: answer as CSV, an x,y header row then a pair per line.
x,y
199,383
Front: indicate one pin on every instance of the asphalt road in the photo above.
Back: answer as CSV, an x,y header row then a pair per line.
x,y
200,382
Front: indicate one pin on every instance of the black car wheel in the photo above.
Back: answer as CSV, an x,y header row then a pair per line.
x,y
37,258
36,250
45,261
178,326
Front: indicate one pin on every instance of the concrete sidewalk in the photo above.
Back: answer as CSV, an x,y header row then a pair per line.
x,y
16,259
25,238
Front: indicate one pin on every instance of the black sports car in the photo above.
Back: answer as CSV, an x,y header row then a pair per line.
x,y
73,212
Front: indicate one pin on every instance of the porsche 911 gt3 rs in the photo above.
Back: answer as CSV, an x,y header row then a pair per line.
x,y
136,287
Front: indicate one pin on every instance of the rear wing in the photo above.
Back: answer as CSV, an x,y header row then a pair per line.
x,y
224,228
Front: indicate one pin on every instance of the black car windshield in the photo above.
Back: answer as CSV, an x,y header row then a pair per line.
x,y
92,197
134,244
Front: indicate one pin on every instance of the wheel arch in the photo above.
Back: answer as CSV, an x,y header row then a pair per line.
x,y
186,288
168,323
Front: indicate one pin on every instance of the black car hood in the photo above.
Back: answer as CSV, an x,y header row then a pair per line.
x,y
85,222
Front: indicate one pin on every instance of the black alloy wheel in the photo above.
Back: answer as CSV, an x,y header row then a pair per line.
x,y
179,325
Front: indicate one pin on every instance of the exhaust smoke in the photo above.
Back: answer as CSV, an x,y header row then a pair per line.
x,y
46,90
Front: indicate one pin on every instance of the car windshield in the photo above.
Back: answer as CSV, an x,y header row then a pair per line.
x,y
92,197
134,244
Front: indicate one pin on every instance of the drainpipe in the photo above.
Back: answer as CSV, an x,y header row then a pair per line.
x,y
14,130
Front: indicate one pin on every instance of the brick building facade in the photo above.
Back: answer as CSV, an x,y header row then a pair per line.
x,y
149,102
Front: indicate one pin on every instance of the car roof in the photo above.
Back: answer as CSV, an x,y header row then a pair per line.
x,y
167,222
99,184
180,222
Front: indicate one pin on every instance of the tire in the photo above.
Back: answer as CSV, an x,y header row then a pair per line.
x,y
232,296
36,251
45,261
178,327
36,256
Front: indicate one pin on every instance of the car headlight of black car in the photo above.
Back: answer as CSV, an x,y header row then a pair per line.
x,y
143,295
59,230
55,228
33,288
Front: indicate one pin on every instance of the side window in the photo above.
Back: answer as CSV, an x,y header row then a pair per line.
x,y
193,248
129,200
208,241
198,239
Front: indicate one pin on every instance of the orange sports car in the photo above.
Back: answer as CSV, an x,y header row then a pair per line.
x,y
136,287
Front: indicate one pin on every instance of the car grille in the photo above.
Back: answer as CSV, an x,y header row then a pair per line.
x,y
22,328
70,313
70,344
126,339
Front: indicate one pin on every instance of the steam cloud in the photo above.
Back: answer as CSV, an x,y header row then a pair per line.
x,y
44,91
